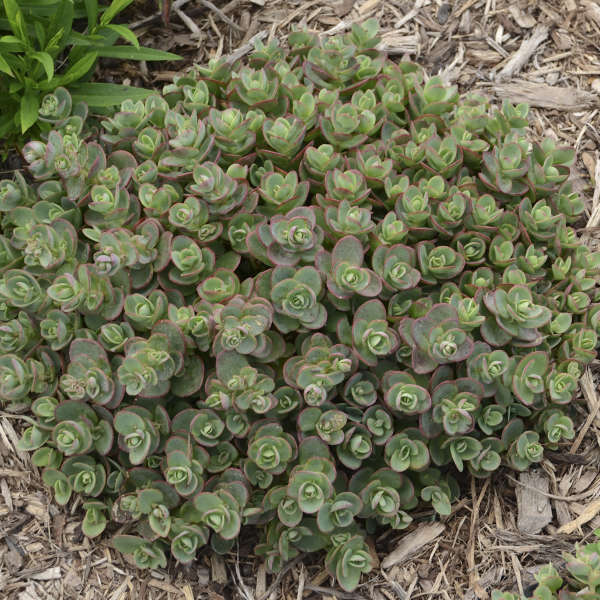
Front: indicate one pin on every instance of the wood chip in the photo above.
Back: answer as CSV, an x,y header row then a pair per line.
x,y
164,586
261,581
393,43
590,511
547,96
524,53
46,575
534,509
412,543
368,6
521,18
411,14
218,570
592,10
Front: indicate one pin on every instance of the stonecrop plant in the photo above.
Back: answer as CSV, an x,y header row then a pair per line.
x,y
582,581
300,295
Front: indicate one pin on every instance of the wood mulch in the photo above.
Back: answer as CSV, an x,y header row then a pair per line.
x,y
546,53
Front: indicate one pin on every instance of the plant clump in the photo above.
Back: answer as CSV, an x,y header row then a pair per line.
x,y
301,295
582,581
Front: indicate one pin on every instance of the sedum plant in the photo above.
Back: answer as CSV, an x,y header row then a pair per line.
x,y
582,582
299,294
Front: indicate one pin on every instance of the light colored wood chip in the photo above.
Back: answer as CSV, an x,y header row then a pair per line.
x,y
534,509
464,7
47,574
367,6
261,581
521,18
592,10
165,587
218,570
412,543
547,96
6,494
246,48
521,57
393,43
590,511
593,222
410,15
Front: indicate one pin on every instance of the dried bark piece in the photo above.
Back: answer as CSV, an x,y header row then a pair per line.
x,y
525,52
393,43
534,509
521,18
547,96
412,543
590,511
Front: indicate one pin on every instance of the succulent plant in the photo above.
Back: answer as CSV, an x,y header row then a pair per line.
x,y
298,294
582,579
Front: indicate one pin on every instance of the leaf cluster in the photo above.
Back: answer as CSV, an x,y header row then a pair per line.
x,y
582,579
47,44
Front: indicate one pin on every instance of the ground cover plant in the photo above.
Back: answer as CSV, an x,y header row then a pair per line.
x,y
582,582
46,44
303,295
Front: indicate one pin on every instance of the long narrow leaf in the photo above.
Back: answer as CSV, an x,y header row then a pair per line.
x,y
30,102
91,10
113,10
125,33
131,53
46,61
4,66
15,19
77,70
102,95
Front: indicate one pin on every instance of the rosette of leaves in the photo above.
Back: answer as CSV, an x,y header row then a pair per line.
x,y
406,451
295,297
222,192
403,395
281,193
89,374
524,447
344,271
241,326
317,162
77,428
437,338
319,368
288,240
348,220
146,555
384,493
372,337
283,137
280,291
139,436
221,509
270,449
345,186
184,465
455,404
348,559
396,265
